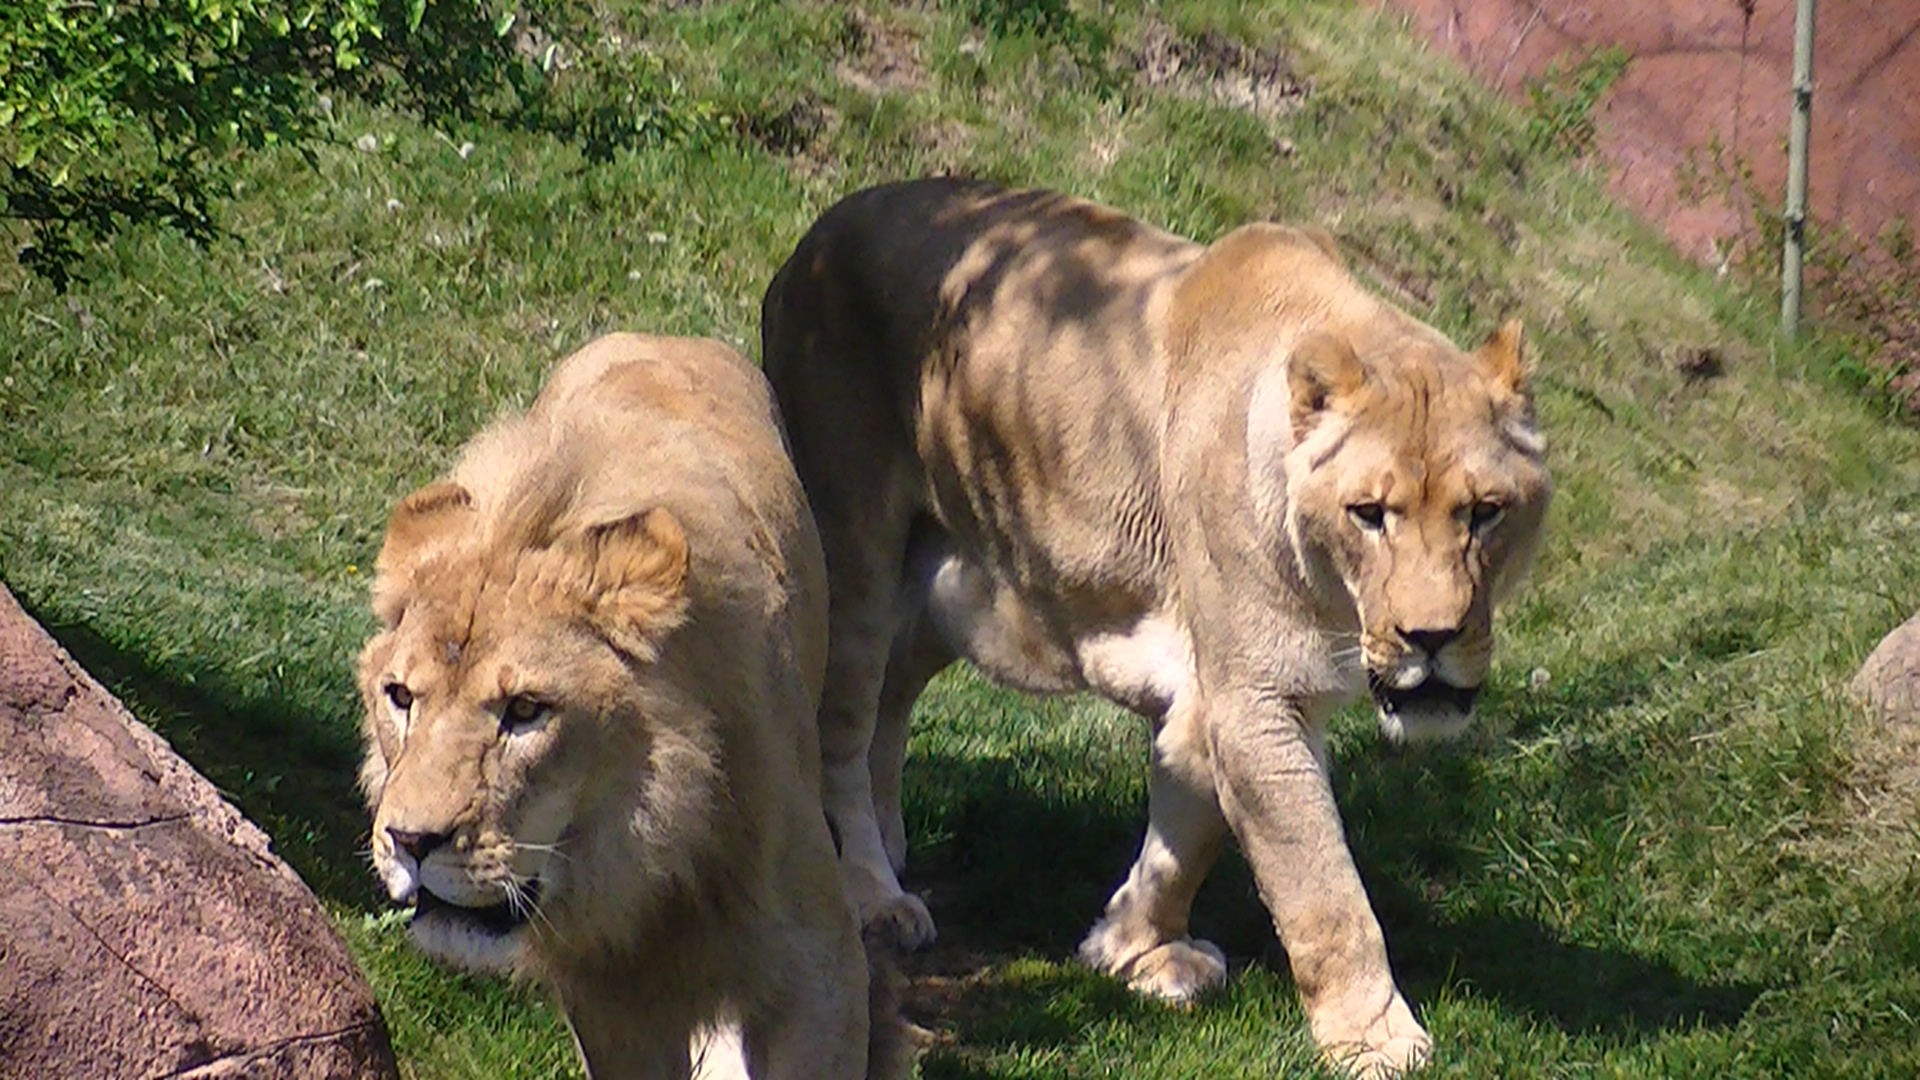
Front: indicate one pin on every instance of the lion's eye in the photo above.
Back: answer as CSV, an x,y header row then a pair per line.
x,y
523,712
400,696
1485,514
1370,516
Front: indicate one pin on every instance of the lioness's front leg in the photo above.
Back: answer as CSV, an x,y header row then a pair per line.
x,y
1143,936
1274,792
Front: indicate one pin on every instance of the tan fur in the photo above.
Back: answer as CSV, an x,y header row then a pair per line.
x,y
1224,486
608,629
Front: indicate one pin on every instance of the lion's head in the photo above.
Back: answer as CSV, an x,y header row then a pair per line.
x,y
508,672
1415,482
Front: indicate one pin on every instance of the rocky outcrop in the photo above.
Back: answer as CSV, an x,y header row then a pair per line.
x,y
145,928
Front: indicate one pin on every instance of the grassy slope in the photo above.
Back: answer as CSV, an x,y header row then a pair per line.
x,y
1652,860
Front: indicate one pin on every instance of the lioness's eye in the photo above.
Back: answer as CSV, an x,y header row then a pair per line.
x,y
523,712
1485,513
1370,516
401,697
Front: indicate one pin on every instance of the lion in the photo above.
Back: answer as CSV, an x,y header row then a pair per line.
x,y
590,704
1222,485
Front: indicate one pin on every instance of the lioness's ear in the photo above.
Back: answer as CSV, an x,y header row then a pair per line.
x,y
422,519
1323,369
635,578
1502,357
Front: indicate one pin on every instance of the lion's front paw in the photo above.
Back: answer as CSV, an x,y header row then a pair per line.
x,y
1177,971
1392,1045
901,919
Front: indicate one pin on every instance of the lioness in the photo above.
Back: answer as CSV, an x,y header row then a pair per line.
x,y
1223,486
590,709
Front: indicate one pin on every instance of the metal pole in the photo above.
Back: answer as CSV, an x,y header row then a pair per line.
x,y
1797,169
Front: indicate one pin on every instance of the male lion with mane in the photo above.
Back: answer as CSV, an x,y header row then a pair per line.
x,y
1222,485
590,724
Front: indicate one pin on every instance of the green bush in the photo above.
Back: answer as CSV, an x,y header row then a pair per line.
x,y
114,112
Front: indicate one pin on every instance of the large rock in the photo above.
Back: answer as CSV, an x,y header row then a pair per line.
x,y
1890,679
145,928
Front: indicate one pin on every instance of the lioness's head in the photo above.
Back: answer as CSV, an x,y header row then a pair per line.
x,y
509,672
1415,482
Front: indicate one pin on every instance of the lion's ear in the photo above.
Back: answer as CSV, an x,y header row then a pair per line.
x,y
635,578
1503,356
1322,370
422,519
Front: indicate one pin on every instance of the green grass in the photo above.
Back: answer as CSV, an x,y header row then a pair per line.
x,y
1668,855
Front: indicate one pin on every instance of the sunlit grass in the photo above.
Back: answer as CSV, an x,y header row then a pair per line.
x,y
1644,864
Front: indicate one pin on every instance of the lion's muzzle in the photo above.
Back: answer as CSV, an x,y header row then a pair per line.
x,y
498,919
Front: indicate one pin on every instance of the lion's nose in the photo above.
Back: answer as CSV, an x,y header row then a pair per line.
x,y
1429,641
417,844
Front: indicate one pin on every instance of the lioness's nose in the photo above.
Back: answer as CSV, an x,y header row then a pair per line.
x,y
417,844
1429,641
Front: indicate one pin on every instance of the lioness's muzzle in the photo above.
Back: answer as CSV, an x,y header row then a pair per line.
x,y
1431,693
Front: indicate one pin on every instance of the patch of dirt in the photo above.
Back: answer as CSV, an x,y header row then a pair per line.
x,y
790,130
941,982
1259,80
799,133
1695,363
879,56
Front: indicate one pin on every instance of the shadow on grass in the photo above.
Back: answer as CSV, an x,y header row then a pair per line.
x,y
1019,871
282,767
1428,818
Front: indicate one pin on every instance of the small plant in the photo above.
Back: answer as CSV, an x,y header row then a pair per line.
x,y
609,92
1088,41
1563,98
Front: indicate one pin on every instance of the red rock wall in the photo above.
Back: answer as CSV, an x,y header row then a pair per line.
x,y
1692,78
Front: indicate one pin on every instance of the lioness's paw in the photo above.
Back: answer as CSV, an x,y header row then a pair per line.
x,y
1393,1044
1177,971
1397,1057
901,919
